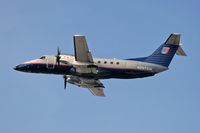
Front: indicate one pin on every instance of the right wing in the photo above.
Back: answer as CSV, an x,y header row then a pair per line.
x,y
81,51
83,56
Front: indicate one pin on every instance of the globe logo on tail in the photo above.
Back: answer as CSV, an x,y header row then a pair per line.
x,y
165,50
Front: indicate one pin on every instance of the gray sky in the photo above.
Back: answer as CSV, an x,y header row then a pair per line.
x,y
37,103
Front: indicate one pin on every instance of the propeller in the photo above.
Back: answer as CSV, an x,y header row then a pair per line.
x,y
65,81
58,56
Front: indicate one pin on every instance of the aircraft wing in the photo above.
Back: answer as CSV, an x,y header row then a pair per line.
x,y
81,51
97,91
93,85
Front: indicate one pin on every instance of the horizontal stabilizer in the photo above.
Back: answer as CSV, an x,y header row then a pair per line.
x,y
180,51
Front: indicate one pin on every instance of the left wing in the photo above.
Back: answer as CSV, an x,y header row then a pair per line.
x,y
97,91
94,85
81,51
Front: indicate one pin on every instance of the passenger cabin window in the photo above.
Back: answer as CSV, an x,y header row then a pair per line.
x,y
117,63
111,62
43,57
105,62
99,62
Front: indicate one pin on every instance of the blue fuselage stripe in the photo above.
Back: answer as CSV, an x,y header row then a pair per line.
x,y
102,72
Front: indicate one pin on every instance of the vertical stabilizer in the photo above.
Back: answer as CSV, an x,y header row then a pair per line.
x,y
165,53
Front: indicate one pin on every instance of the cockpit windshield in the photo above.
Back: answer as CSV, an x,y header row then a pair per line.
x,y
43,57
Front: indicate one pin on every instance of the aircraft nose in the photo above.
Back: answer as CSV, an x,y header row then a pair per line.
x,y
15,68
21,67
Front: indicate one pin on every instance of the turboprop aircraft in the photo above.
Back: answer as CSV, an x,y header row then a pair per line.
x,y
83,70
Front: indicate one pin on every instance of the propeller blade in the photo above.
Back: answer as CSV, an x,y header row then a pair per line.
x,y
65,81
58,56
58,51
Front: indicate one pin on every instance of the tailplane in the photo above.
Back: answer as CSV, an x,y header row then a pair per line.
x,y
165,53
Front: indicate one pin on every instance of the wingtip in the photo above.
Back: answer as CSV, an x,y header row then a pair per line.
x,y
78,35
176,33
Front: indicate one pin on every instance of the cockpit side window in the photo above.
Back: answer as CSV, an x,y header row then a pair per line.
x,y
43,57
65,62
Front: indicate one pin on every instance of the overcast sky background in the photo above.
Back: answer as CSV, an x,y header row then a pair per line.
x,y
36,103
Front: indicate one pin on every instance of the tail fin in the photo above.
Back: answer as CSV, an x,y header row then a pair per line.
x,y
165,53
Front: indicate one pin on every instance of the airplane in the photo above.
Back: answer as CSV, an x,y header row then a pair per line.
x,y
82,70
